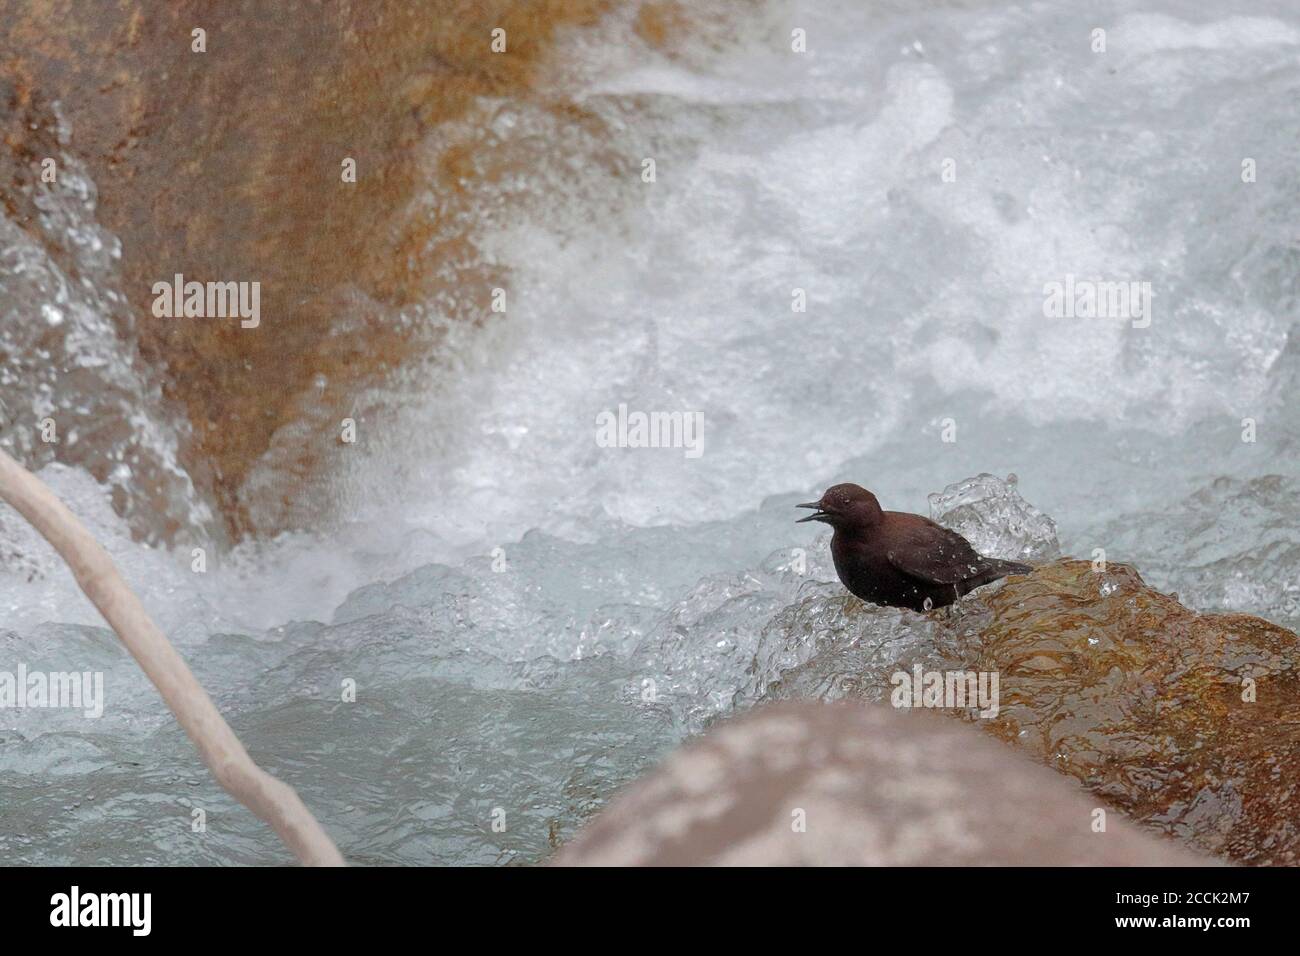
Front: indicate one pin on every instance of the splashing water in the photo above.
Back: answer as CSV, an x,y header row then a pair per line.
x,y
70,388
531,619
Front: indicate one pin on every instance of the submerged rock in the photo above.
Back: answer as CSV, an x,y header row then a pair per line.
x,y
849,785
1186,722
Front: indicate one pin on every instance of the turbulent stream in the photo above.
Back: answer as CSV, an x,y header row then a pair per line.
x,y
532,619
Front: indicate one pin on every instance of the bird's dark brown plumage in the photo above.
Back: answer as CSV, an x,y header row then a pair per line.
x,y
899,559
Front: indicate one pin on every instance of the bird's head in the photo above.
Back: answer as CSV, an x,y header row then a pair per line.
x,y
844,506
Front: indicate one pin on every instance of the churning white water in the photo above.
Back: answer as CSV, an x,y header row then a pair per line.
x,y
530,618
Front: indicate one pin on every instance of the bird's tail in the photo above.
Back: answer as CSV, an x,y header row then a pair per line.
x,y
997,568
990,570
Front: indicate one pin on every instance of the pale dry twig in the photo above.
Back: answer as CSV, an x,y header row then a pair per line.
x,y
272,800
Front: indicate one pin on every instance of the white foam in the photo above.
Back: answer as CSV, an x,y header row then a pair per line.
x,y
1155,32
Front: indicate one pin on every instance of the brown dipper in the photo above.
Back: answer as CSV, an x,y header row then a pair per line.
x,y
898,559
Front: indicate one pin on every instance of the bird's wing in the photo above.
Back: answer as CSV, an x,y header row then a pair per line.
x,y
930,552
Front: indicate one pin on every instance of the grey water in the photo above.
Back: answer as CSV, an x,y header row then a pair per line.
x,y
530,619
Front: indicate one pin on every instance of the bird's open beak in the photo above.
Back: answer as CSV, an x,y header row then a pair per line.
x,y
818,514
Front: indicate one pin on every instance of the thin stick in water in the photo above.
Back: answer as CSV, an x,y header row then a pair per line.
x,y
273,801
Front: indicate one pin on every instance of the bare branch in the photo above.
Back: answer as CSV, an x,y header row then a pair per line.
x,y
273,801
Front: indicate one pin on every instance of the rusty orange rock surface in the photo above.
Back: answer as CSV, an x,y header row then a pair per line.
x,y
1187,722
225,165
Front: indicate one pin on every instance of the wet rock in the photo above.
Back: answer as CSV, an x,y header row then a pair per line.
x,y
226,165
811,784
1188,723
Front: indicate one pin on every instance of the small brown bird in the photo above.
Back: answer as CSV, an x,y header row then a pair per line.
x,y
899,559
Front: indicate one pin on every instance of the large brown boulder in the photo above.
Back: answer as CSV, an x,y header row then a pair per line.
x,y
225,165
1187,722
